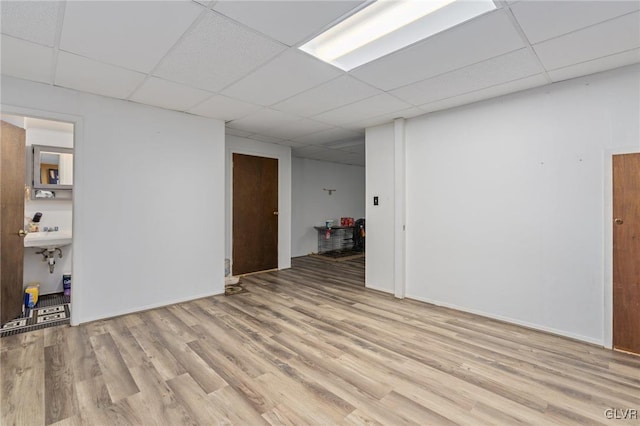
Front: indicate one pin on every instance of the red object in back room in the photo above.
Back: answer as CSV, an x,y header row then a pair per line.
x,y
346,221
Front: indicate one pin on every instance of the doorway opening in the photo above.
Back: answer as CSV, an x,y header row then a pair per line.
x,y
37,218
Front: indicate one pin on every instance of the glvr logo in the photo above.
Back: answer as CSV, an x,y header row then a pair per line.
x,y
621,413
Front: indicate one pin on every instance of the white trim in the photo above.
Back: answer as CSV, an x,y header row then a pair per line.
x,y
607,312
148,307
383,290
78,190
509,320
399,264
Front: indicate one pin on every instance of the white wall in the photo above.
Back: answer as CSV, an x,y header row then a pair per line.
x,y
54,213
312,206
380,237
144,179
508,203
37,136
235,144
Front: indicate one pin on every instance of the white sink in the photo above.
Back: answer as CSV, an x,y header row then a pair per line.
x,y
48,240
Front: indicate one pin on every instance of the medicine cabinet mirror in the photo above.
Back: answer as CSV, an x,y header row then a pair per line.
x,y
52,167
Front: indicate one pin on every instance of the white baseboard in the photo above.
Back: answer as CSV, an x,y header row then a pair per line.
x,y
384,290
145,308
526,324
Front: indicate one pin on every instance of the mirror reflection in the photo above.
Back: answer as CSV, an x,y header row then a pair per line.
x,y
56,169
52,167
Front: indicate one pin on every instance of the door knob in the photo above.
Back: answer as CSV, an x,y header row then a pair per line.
x,y
276,213
618,221
22,233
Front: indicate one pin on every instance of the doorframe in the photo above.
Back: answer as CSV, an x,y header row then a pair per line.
x,y
238,145
78,190
608,241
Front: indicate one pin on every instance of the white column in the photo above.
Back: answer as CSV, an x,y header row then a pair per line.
x,y
399,209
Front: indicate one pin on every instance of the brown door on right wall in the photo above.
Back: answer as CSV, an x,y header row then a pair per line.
x,y
255,214
626,252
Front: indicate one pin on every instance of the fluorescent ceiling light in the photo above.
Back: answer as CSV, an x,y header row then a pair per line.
x,y
389,25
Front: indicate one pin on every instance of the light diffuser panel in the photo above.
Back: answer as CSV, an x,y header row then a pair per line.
x,y
389,25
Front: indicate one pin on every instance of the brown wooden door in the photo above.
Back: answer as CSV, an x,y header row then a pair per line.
x,y
12,160
255,214
626,252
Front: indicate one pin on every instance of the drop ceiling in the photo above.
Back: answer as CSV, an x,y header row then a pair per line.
x,y
238,61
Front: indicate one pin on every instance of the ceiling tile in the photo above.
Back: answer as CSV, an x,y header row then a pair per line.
x,y
357,148
167,94
597,65
490,92
215,53
481,38
332,155
341,91
542,20
384,118
224,108
307,150
511,66
26,60
292,144
267,139
296,129
614,36
87,75
309,102
262,120
237,132
34,21
330,135
346,145
130,34
286,21
289,74
370,107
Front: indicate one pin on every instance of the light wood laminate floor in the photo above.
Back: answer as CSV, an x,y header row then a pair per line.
x,y
310,345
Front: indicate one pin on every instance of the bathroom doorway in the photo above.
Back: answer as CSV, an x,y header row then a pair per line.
x,y
12,148
45,190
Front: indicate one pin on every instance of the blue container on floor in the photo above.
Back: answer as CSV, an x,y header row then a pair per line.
x,y
66,284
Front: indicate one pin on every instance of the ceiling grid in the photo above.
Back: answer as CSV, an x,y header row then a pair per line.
x,y
239,61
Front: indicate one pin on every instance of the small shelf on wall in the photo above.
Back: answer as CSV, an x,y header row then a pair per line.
x,y
48,194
